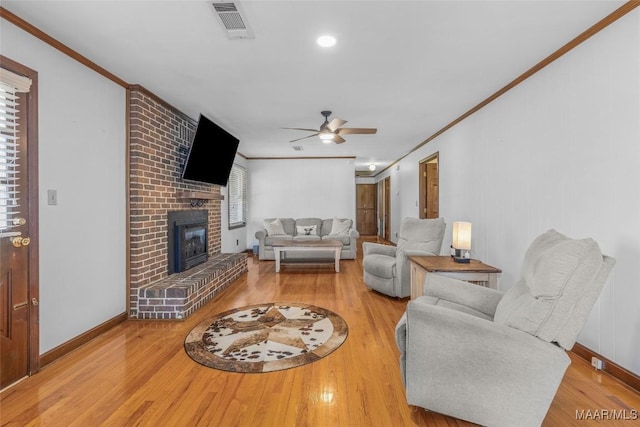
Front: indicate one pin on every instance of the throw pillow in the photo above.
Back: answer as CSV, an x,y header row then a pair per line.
x,y
274,227
340,228
306,230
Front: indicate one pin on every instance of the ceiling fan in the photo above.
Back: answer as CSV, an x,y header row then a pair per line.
x,y
331,130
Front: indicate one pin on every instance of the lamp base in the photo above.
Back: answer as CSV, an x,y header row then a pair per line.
x,y
460,257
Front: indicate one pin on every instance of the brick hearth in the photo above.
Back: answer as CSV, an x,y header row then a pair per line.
x,y
181,294
160,137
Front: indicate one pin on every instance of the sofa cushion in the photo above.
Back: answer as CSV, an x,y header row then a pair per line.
x,y
288,224
340,227
327,225
308,222
346,240
269,240
555,272
274,228
305,237
380,265
306,230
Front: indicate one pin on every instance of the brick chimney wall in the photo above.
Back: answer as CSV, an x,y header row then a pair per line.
x,y
160,137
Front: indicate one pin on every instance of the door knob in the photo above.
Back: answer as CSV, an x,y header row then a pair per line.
x,y
34,301
19,221
20,241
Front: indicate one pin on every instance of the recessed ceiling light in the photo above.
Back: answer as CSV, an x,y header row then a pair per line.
x,y
326,41
372,167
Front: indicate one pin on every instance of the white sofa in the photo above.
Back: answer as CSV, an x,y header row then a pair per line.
x,y
307,229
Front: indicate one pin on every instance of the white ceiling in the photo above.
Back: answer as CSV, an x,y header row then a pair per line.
x,y
406,67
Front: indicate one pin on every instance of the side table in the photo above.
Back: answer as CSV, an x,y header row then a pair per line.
x,y
474,272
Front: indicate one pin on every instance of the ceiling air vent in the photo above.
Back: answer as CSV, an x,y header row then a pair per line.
x,y
233,20
297,147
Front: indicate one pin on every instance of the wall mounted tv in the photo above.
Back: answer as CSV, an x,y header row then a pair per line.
x,y
211,155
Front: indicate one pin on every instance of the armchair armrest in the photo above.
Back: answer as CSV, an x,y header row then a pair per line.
x,y
474,369
479,298
377,248
403,269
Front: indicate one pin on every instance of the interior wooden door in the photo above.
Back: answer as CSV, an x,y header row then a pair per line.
x,y
429,188
19,352
432,191
366,209
380,208
387,208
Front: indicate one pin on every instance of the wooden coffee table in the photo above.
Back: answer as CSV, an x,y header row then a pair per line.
x,y
334,246
474,272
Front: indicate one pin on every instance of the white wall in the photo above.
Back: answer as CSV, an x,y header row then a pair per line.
x,y
233,241
561,150
365,180
82,156
299,188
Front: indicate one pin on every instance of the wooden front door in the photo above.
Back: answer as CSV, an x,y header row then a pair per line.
x,y
19,352
366,209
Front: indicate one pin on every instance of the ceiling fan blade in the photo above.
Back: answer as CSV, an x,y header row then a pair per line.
x,y
304,137
335,124
338,139
351,131
308,130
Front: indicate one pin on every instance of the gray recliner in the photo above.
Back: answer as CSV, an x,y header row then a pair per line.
x,y
494,358
386,268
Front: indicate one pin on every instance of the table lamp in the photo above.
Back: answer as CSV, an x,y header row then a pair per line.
x,y
461,241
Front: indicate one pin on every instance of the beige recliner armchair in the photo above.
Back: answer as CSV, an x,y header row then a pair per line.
x,y
386,268
497,359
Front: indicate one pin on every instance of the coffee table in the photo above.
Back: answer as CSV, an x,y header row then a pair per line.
x,y
334,246
475,272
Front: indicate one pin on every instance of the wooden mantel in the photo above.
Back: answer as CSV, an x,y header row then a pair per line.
x,y
198,195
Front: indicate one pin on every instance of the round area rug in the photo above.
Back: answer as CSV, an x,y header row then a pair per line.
x,y
266,337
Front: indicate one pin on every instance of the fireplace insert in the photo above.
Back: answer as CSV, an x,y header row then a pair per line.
x,y
187,241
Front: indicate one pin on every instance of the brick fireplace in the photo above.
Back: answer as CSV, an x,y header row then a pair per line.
x,y
160,137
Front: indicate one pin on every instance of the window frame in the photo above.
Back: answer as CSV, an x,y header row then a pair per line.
x,y
237,196
12,102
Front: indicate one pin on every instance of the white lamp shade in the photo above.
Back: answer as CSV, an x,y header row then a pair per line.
x,y
461,235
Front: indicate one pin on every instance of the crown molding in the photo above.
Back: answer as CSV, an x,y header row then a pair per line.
x,y
36,32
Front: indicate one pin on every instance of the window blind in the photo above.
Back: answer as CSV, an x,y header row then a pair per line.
x,y
237,188
10,85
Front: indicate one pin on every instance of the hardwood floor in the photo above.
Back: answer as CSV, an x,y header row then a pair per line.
x,y
139,374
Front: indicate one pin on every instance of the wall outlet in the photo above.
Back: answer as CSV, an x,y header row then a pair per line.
x,y
52,197
596,363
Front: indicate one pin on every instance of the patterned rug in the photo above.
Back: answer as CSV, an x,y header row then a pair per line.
x,y
266,337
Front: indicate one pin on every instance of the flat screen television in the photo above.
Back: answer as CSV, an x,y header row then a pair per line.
x,y
211,155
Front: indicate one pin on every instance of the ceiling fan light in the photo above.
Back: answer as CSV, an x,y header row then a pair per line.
x,y
326,41
326,137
